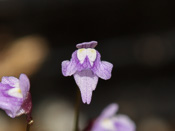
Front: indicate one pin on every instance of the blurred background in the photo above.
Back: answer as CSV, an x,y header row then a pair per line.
x,y
136,36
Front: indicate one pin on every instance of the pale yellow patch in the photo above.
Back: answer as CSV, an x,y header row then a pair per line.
x,y
108,124
81,54
93,51
81,50
19,90
92,54
15,92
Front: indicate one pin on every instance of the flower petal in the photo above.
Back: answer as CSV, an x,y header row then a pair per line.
x,y
15,92
108,121
70,67
102,69
81,55
91,44
87,82
10,104
124,123
109,111
12,81
24,85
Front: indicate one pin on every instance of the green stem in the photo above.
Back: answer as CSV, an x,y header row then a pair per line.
x,y
77,110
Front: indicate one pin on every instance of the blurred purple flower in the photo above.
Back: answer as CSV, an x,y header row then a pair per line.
x,y
86,66
15,98
108,121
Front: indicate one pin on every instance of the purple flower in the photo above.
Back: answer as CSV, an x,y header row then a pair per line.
x,y
108,121
15,98
87,67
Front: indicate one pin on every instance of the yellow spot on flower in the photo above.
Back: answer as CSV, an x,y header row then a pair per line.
x,y
93,51
19,90
81,50
15,92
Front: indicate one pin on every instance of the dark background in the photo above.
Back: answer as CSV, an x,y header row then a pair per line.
x,y
136,36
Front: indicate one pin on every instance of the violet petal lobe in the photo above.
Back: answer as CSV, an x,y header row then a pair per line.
x,y
10,104
69,67
24,85
12,81
102,69
91,44
124,123
109,111
87,82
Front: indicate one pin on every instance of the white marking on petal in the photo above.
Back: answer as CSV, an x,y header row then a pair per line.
x,y
92,54
15,92
108,124
81,54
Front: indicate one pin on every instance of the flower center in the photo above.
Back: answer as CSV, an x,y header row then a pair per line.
x,y
15,92
89,52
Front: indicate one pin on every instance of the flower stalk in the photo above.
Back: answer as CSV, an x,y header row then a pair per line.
x,y
77,110
30,121
29,125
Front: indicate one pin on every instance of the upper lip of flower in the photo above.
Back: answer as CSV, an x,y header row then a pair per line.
x,y
91,44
